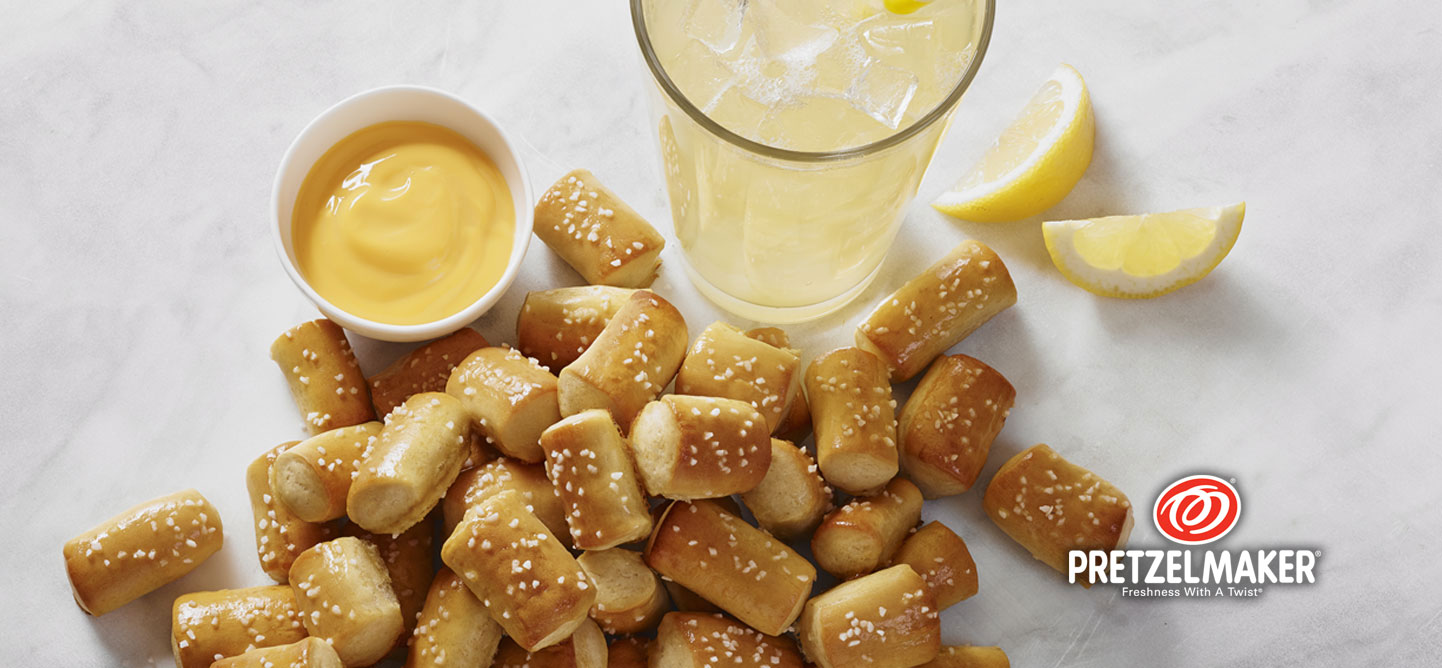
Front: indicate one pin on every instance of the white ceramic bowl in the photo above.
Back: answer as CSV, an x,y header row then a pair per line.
x,y
399,103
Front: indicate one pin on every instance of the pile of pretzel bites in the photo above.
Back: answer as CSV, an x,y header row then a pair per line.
x,y
576,500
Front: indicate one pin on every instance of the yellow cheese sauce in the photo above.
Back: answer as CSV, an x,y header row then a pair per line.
x,y
403,223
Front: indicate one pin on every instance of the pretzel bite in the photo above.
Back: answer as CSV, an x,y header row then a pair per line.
x,y
604,240
631,362
425,369
280,536
792,498
492,478
684,599
724,362
304,653
628,652
586,648
208,626
454,628
323,375
312,478
861,536
1052,506
415,459
408,558
590,467
140,550
700,447
937,309
854,416
556,326
739,568
695,640
969,656
510,398
345,598
629,596
940,557
531,584
796,425
888,618
947,426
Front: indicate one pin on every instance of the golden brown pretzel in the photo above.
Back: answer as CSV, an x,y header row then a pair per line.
x,y
409,559
454,628
632,360
589,465
509,397
494,477
739,568
312,478
937,309
1052,506
280,536
724,362
796,426
323,375
210,625
425,369
604,240
556,326
947,426
141,549
531,584
854,417
862,536
695,640
305,653
888,618
344,595
413,462
629,596
700,447
793,498
940,557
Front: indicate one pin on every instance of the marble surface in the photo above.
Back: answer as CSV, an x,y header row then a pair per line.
x,y
139,289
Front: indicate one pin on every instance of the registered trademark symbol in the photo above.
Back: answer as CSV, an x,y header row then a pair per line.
x,y
1232,480
1317,552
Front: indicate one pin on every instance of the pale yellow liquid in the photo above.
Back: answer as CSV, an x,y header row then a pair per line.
x,y
785,240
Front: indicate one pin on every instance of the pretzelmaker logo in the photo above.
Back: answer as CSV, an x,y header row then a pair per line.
x,y
1197,510
1194,511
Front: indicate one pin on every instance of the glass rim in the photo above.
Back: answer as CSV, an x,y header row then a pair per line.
x,y
668,87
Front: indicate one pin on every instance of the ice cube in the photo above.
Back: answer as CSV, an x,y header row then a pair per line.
x,y
884,92
838,67
784,37
700,73
716,23
894,37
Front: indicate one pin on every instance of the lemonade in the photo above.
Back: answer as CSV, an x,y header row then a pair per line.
x,y
793,134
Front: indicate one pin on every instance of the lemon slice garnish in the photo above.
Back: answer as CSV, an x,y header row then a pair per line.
x,y
905,6
1037,159
1143,256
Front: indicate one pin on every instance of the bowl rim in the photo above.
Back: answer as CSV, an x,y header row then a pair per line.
x,y
525,222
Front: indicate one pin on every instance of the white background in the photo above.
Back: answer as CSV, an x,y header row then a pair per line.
x,y
139,290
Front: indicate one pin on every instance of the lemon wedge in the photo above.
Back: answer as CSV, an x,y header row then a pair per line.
x,y
1035,162
1135,257
905,6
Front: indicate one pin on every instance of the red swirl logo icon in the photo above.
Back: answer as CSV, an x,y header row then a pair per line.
x,y
1197,509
